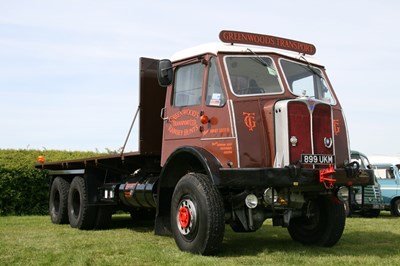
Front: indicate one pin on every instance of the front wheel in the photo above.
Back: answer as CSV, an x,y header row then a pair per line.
x,y
322,223
396,208
197,215
347,208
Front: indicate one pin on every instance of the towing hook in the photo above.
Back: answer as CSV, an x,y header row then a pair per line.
x,y
352,169
325,177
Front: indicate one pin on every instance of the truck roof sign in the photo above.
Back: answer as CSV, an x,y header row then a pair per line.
x,y
266,40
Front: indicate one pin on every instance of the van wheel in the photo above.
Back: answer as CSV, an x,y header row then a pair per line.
x,y
58,201
322,224
396,208
197,215
80,214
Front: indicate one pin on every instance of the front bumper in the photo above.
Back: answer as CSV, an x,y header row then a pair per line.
x,y
290,177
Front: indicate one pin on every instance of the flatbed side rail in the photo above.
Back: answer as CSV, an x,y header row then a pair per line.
x,y
117,162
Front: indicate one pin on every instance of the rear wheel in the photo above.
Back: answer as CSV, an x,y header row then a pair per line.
x,y
322,224
58,201
197,215
80,214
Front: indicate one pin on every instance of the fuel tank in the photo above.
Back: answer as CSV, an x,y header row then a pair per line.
x,y
139,193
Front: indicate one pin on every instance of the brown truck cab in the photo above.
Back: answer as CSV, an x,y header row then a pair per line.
x,y
235,133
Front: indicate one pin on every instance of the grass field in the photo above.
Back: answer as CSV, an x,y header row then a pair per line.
x,y
34,240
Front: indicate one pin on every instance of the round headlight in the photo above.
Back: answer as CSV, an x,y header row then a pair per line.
x,y
358,197
343,194
251,201
270,196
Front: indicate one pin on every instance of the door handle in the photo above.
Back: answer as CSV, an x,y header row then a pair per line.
x,y
162,113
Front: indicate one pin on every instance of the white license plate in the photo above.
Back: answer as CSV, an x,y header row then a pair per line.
x,y
317,159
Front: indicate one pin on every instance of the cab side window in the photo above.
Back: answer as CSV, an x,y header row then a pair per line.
x,y
215,95
188,85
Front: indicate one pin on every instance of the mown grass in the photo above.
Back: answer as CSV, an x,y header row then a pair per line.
x,y
33,240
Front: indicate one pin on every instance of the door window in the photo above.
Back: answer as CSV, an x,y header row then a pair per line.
x,y
215,95
188,85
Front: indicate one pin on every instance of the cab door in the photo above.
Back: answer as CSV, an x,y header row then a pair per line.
x,y
183,107
218,136
197,113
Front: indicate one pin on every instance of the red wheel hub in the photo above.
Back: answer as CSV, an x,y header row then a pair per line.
x,y
184,217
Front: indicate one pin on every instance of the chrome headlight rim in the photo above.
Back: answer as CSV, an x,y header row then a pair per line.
x,y
342,193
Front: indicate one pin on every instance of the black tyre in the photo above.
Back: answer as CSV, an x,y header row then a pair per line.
x,y
396,208
197,215
80,214
58,201
322,224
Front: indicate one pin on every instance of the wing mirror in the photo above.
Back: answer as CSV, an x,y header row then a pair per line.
x,y
165,73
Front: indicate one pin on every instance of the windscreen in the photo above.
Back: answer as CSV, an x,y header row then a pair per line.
x,y
306,80
250,75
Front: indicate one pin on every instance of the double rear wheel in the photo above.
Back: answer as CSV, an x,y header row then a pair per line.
x,y
80,214
70,203
58,201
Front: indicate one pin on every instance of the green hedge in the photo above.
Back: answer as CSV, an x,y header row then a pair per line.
x,y
23,191
23,188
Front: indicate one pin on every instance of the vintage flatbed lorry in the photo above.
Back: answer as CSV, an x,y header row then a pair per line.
x,y
233,133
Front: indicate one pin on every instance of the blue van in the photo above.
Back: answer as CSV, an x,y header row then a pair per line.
x,y
388,177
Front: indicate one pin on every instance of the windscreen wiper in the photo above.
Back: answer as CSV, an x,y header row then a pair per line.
x,y
260,60
311,68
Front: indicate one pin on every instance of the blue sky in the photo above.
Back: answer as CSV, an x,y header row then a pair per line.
x,y
69,69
